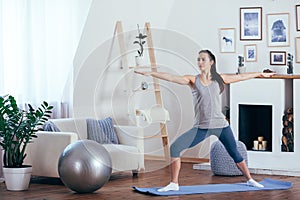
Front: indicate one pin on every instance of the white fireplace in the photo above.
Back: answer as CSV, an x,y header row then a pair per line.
x,y
276,95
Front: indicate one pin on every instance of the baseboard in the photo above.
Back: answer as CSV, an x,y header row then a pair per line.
x,y
206,166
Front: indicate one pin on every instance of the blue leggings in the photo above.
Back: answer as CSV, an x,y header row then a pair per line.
x,y
196,135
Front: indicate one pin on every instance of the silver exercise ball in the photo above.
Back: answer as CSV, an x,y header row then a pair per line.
x,y
84,166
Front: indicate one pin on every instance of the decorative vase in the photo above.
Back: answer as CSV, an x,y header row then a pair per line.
x,y
241,70
17,179
139,60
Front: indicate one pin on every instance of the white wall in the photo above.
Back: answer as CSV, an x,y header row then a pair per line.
x,y
180,29
1,51
201,20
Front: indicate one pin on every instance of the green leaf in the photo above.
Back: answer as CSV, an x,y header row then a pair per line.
x,y
48,115
30,108
45,103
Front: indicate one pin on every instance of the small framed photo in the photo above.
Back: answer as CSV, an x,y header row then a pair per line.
x,y
251,23
277,58
298,17
227,40
278,29
297,49
250,52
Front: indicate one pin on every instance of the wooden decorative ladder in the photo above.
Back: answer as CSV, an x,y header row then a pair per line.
x,y
158,97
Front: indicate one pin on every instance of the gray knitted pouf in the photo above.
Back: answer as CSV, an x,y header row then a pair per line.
x,y
220,161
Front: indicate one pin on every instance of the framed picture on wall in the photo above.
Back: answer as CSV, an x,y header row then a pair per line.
x,y
227,40
297,49
251,23
277,58
278,29
250,52
298,17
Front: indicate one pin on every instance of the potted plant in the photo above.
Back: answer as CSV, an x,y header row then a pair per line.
x,y
17,128
141,41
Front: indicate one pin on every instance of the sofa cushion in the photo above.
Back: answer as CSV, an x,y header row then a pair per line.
x,y
102,131
123,157
50,126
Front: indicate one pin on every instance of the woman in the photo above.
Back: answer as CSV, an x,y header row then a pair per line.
x,y
209,120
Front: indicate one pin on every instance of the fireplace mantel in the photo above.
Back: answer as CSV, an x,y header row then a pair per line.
x,y
283,76
281,92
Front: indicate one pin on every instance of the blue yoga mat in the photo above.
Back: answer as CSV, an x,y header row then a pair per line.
x,y
269,184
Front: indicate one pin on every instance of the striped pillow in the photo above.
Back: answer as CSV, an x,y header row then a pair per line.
x,y
50,126
102,131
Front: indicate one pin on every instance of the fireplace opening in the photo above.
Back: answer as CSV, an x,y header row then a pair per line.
x,y
255,126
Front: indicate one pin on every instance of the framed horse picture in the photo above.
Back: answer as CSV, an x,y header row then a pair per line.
x,y
227,40
251,23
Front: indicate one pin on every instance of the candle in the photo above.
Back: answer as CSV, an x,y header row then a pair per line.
x,y
255,144
264,145
260,138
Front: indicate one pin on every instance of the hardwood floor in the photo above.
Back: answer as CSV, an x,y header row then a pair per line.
x,y
119,186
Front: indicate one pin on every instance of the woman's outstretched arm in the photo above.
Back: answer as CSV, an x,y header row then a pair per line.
x,y
182,80
232,78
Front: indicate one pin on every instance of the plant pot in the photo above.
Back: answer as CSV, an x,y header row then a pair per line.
x,y
17,179
139,61
241,70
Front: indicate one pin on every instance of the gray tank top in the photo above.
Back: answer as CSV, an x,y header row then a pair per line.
x,y
207,105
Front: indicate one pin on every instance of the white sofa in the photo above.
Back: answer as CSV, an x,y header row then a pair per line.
x,y
43,154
